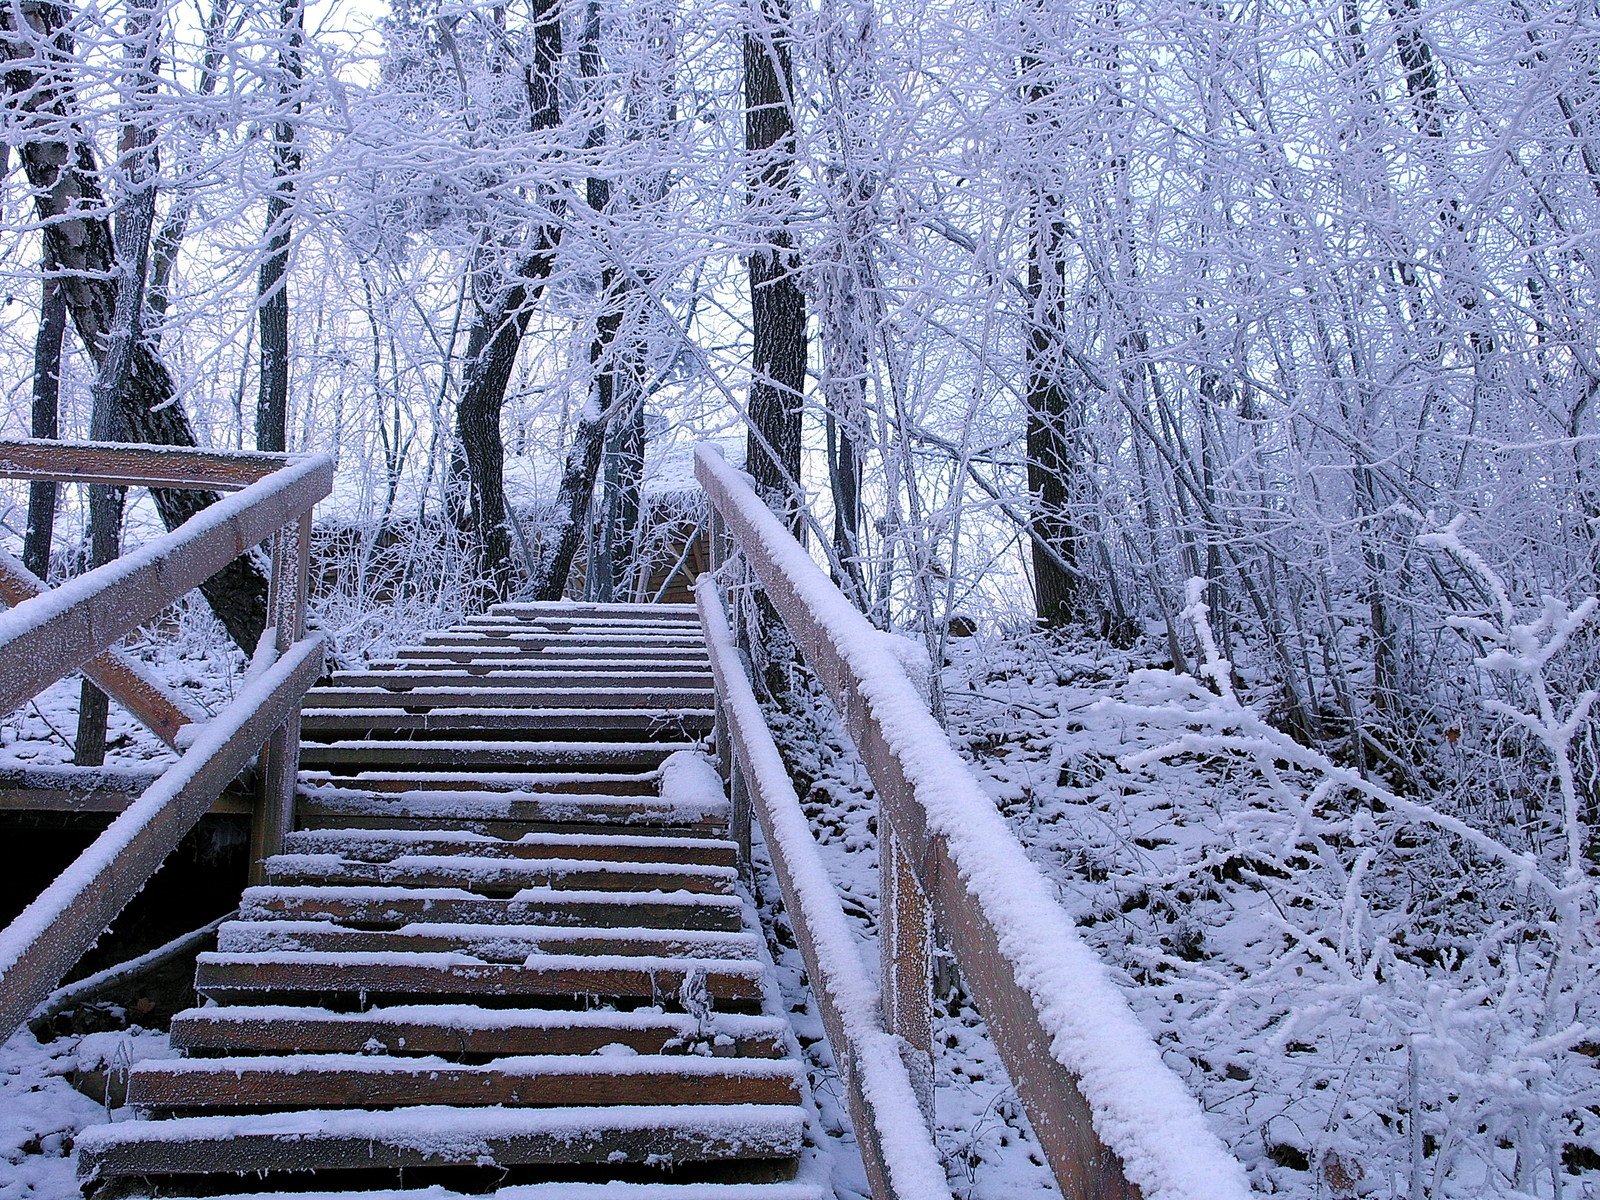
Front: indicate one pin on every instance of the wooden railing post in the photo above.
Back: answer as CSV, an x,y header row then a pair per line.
x,y
280,758
905,952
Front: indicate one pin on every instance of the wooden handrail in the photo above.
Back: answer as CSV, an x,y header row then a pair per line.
x,y
1114,1121
113,672
68,917
896,1144
53,635
40,461
49,634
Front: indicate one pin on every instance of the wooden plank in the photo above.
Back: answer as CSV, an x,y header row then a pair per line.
x,y
491,943
115,673
562,609
52,635
52,933
524,639
324,723
435,1136
46,461
391,908
572,658
496,877
507,813
460,1030
542,1081
880,1091
383,846
610,1190
73,789
500,783
1062,1117
553,700
232,978
448,675
509,754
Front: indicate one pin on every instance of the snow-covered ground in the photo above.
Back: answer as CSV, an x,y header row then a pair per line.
x,y
1318,963
41,1113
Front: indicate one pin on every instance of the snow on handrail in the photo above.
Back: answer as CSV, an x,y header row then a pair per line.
x,y
1113,1119
897,1148
54,634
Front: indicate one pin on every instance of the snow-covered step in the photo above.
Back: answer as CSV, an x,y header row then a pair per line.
x,y
508,812
489,943
234,978
395,677
441,1136
464,1029
384,845
608,639
573,655
532,722
394,907
371,693
498,877
530,610
536,1081
466,752
638,785
565,1191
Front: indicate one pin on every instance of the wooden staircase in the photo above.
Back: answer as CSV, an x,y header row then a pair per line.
x,y
503,952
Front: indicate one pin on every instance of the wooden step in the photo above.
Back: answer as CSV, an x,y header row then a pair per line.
x,y
441,1135
495,876
395,677
385,845
588,639
593,699
635,785
234,978
566,1191
459,1030
396,907
514,755
488,943
537,1081
507,813
533,724
563,610
572,658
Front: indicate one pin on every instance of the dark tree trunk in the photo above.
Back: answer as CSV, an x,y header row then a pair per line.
x,y
46,419
272,400
576,492
620,516
492,347
777,305
1055,408
495,338
62,172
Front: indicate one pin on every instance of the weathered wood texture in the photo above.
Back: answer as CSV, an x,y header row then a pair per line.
x,y
52,635
869,1059
1084,1167
53,932
114,673
41,460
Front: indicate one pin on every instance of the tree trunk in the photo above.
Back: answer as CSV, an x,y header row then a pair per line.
x,y
46,419
60,166
777,305
272,400
494,340
1055,408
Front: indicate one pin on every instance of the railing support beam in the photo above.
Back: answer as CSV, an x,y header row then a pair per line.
x,y
280,758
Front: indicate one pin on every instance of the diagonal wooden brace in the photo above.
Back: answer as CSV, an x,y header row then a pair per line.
x,y
114,673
